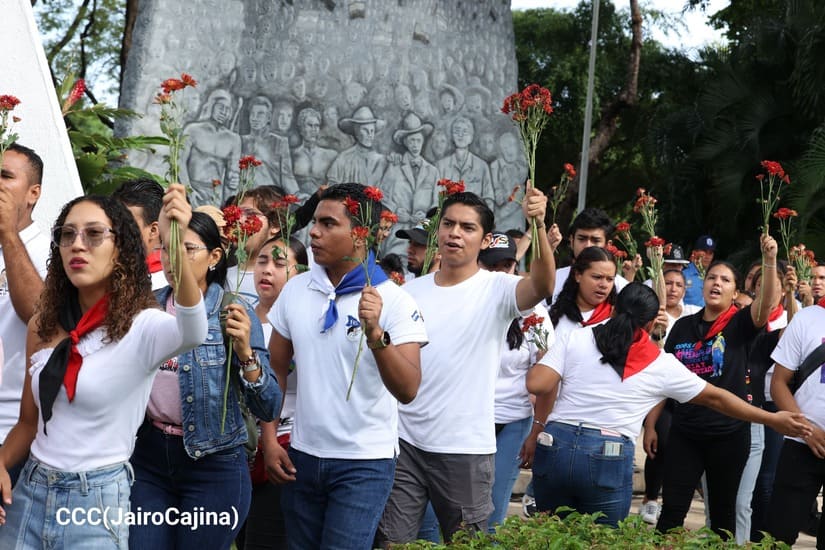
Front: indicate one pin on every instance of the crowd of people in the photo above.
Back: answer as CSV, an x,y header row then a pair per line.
x,y
330,403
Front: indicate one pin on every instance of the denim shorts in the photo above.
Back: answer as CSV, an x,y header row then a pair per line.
x,y
68,510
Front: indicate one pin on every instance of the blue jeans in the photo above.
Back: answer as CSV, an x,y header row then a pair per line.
x,y
747,484
508,445
335,503
68,510
429,530
574,471
167,478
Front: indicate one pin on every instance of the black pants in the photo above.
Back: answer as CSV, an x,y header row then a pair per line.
x,y
799,476
722,458
655,467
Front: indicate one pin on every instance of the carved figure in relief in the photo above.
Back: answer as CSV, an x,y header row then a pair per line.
x,y
360,163
508,170
268,147
464,165
310,161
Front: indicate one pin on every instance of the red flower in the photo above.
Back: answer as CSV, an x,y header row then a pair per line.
x,y
289,199
251,225
620,254
785,213
8,102
351,205
216,183
231,214
248,161
531,321
162,98
773,168
373,193
397,278
172,85
360,232
77,92
451,187
570,170
655,241
188,80
640,191
610,247
623,227
642,202
387,216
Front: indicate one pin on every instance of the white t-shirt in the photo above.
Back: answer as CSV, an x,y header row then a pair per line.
x,y
512,402
687,309
778,324
593,393
454,409
326,424
563,273
248,290
804,333
13,330
98,427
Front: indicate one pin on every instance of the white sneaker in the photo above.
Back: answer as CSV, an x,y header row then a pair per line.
x,y
528,505
650,511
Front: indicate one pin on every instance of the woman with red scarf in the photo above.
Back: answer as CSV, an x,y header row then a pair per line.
x,y
714,344
94,346
612,376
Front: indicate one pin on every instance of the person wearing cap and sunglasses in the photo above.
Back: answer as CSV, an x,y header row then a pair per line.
x,y
703,253
513,409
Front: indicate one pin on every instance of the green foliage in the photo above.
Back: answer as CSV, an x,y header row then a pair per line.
x,y
581,531
98,153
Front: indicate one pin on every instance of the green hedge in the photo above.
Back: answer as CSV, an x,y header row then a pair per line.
x,y
580,531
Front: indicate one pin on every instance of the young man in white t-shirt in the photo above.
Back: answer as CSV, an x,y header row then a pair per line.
x,y
24,251
339,469
447,435
800,472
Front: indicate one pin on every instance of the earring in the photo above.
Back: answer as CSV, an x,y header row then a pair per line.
x,y
212,267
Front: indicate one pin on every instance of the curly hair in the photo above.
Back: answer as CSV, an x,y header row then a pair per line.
x,y
130,289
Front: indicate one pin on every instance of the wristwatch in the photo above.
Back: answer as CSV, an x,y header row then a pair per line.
x,y
251,364
381,343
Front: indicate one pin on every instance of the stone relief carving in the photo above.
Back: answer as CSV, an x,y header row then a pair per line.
x,y
393,94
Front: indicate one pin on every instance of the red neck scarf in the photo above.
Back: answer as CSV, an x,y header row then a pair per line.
x,y
718,326
821,302
63,366
775,314
153,262
600,313
641,354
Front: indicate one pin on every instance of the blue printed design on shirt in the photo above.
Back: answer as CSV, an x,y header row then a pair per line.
x,y
707,361
353,325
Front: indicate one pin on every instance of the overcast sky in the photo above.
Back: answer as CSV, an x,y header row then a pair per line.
x,y
696,31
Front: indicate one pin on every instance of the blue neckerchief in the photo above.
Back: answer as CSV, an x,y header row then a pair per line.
x,y
354,281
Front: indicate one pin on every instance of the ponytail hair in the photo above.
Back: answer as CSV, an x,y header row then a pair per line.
x,y
636,305
565,303
515,336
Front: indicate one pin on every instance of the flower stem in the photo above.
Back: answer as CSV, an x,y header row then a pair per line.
x,y
355,366
226,384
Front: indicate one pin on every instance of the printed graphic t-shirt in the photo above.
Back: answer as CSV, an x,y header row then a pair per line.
x,y
721,361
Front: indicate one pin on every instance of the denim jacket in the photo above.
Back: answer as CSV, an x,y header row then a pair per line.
x,y
202,377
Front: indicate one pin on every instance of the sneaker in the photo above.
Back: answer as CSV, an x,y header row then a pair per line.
x,y
528,505
650,512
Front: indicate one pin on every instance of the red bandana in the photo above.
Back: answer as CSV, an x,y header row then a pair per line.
x,y
718,326
153,262
776,313
642,353
601,313
821,302
92,319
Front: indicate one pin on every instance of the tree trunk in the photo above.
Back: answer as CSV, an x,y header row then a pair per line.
x,y
128,29
627,98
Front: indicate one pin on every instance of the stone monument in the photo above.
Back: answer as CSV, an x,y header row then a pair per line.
x,y
390,93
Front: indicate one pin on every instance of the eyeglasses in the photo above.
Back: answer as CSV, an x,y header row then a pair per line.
x,y
189,248
91,235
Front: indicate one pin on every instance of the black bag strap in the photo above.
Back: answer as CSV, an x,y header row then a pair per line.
x,y
808,367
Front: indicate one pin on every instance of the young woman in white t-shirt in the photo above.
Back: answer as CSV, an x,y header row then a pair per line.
x,y
612,376
265,528
93,348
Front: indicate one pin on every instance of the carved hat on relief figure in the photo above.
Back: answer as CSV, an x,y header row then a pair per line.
x,y
362,115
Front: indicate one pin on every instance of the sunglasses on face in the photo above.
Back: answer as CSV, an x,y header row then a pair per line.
x,y
91,235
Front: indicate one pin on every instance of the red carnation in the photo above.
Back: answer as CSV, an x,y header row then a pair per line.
x,y
785,213
397,278
216,183
655,241
251,225
512,196
188,80
531,321
620,254
172,85
289,199
248,161
360,232
373,193
623,227
231,214
351,205
610,247
8,102
387,216
451,187
773,168
162,98
570,170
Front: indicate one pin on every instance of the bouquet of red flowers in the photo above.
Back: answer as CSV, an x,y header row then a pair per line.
x,y
533,325
7,137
